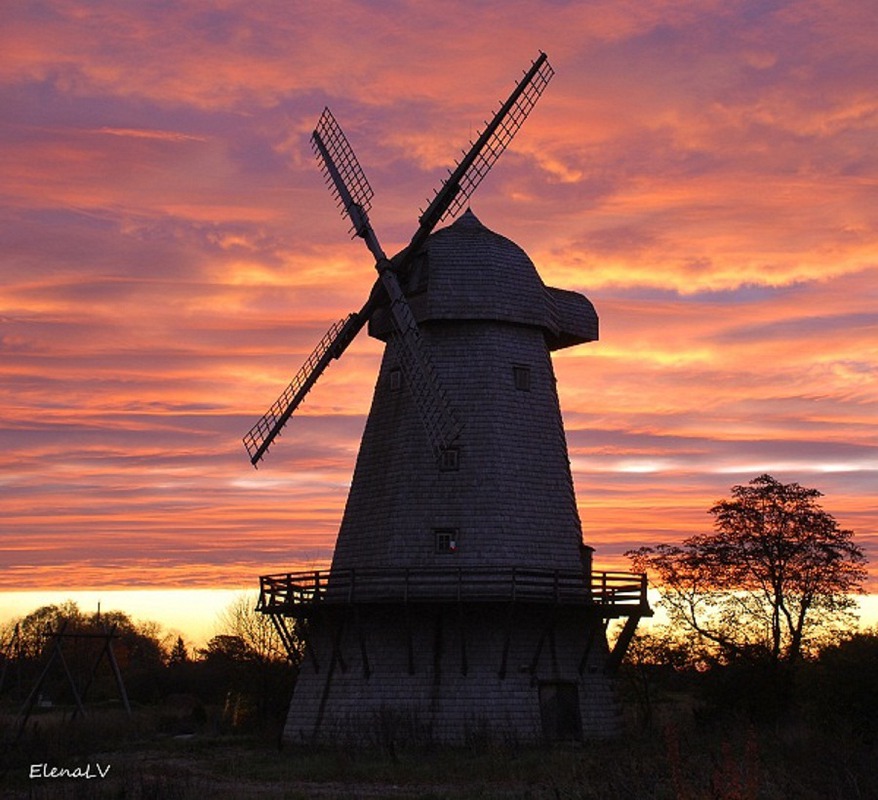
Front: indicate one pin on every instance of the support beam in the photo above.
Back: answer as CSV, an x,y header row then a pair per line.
x,y
288,640
361,637
409,639
548,631
621,646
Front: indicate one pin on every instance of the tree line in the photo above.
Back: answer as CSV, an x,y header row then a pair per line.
x,y
244,669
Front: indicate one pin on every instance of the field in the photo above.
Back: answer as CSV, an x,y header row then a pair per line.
x,y
158,754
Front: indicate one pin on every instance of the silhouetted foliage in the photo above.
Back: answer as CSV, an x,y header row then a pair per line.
x,y
228,648
179,653
841,687
83,641
655,663
707,726
245,668
771,582
248,666
32,628
255,629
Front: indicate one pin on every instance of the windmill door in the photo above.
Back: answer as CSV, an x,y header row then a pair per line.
x,y
559,710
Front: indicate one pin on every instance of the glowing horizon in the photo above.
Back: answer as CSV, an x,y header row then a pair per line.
x,y
705,175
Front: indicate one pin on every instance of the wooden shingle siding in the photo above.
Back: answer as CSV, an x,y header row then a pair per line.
x,y
442,676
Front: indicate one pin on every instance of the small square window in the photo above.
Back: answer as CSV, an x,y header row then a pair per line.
x,y
446,540
521,376
395,380
449,459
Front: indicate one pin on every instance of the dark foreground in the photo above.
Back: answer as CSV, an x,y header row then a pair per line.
x,y
677,755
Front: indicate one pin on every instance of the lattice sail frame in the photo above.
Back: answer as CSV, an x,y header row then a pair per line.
x,y
343,158
260,437
500,131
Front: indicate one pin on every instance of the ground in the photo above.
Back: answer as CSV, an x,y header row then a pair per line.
x,y
675,757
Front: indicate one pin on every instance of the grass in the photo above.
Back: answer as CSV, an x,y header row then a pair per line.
x,y
677,757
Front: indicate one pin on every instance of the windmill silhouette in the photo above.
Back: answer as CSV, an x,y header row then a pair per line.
x,y
461,599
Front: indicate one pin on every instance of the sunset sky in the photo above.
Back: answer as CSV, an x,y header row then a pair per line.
x,y
704,171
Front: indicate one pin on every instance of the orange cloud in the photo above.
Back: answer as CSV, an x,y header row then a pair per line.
x,y
171,257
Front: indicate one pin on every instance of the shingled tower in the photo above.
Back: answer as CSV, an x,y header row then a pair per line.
x,y
461,600
504,493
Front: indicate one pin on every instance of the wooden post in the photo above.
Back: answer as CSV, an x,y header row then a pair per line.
x,y
621,646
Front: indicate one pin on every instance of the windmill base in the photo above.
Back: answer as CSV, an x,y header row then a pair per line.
x,y
453,673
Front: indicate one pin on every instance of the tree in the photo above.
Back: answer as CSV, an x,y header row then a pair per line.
x,y
250,659
654,662
135,646
776,574
179,654
33,627
255,629
228,648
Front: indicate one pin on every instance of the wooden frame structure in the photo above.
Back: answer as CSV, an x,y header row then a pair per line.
x,y
344,595
57,654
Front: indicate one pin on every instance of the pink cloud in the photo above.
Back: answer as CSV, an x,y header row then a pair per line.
x,y
171,256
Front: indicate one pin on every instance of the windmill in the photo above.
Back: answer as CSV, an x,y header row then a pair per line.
x,y
460,597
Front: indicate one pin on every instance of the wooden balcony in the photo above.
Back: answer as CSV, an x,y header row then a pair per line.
x,y
300,594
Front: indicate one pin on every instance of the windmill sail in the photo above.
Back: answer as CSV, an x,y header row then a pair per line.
x,y
343,172
260,437
488,147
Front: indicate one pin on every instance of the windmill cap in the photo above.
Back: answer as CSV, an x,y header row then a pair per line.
x,y
468,272
467,219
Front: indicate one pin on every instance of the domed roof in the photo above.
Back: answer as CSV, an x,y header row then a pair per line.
x,y
474,273
468,272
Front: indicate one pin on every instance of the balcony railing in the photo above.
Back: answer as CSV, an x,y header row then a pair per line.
x,y
614,594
